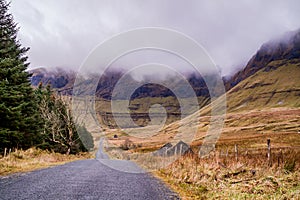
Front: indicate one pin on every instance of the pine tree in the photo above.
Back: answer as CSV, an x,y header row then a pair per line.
x,y
19,117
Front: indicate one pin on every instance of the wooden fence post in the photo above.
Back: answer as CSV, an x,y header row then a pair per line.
x,y
5,149
236,152
280,158
269,151
227,152
218,155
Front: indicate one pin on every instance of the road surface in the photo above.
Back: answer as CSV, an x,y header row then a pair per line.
x,y
85,179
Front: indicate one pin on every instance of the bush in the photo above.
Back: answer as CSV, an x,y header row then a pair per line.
x,y
289,166
127,145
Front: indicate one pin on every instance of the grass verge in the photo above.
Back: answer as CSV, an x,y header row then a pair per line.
x,y
251,177
32,159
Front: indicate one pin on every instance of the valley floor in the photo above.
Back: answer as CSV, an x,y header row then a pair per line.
x,y
228,173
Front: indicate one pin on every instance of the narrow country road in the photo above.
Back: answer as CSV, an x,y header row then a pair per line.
x,y
86,179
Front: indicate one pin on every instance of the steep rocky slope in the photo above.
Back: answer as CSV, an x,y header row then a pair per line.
x,y
287,47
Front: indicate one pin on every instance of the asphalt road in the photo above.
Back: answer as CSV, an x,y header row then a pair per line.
x,y
86,179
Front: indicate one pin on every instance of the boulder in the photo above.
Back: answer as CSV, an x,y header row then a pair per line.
x,y
181,148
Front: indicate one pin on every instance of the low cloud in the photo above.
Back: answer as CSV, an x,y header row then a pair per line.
x,y
62,33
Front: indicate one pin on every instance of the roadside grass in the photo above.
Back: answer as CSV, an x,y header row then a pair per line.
x,y
250,177
32,159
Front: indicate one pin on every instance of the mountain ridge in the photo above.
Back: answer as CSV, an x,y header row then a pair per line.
x,y
285,47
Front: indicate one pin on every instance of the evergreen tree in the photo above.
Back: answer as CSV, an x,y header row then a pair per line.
x,y
19,117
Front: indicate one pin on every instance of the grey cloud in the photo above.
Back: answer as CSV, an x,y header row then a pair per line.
x,y
62,33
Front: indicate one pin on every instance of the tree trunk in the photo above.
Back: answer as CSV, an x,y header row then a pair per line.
x,y
68,151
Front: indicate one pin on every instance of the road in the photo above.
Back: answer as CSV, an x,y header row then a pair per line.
x,y
85,179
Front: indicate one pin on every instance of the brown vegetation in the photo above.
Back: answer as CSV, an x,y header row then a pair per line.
x,y
252,176
31,159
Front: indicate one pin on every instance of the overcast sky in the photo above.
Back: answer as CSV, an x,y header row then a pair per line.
x,y
61,33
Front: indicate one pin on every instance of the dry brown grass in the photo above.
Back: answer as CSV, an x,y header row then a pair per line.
x,y
221,177
249,129
32,159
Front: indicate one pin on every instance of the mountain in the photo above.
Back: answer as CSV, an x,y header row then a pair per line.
x,y
141,100
287,47
269,80
263,102
63,81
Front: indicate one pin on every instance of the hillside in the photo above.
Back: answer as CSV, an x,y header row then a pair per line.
x,y
275,85
264,104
